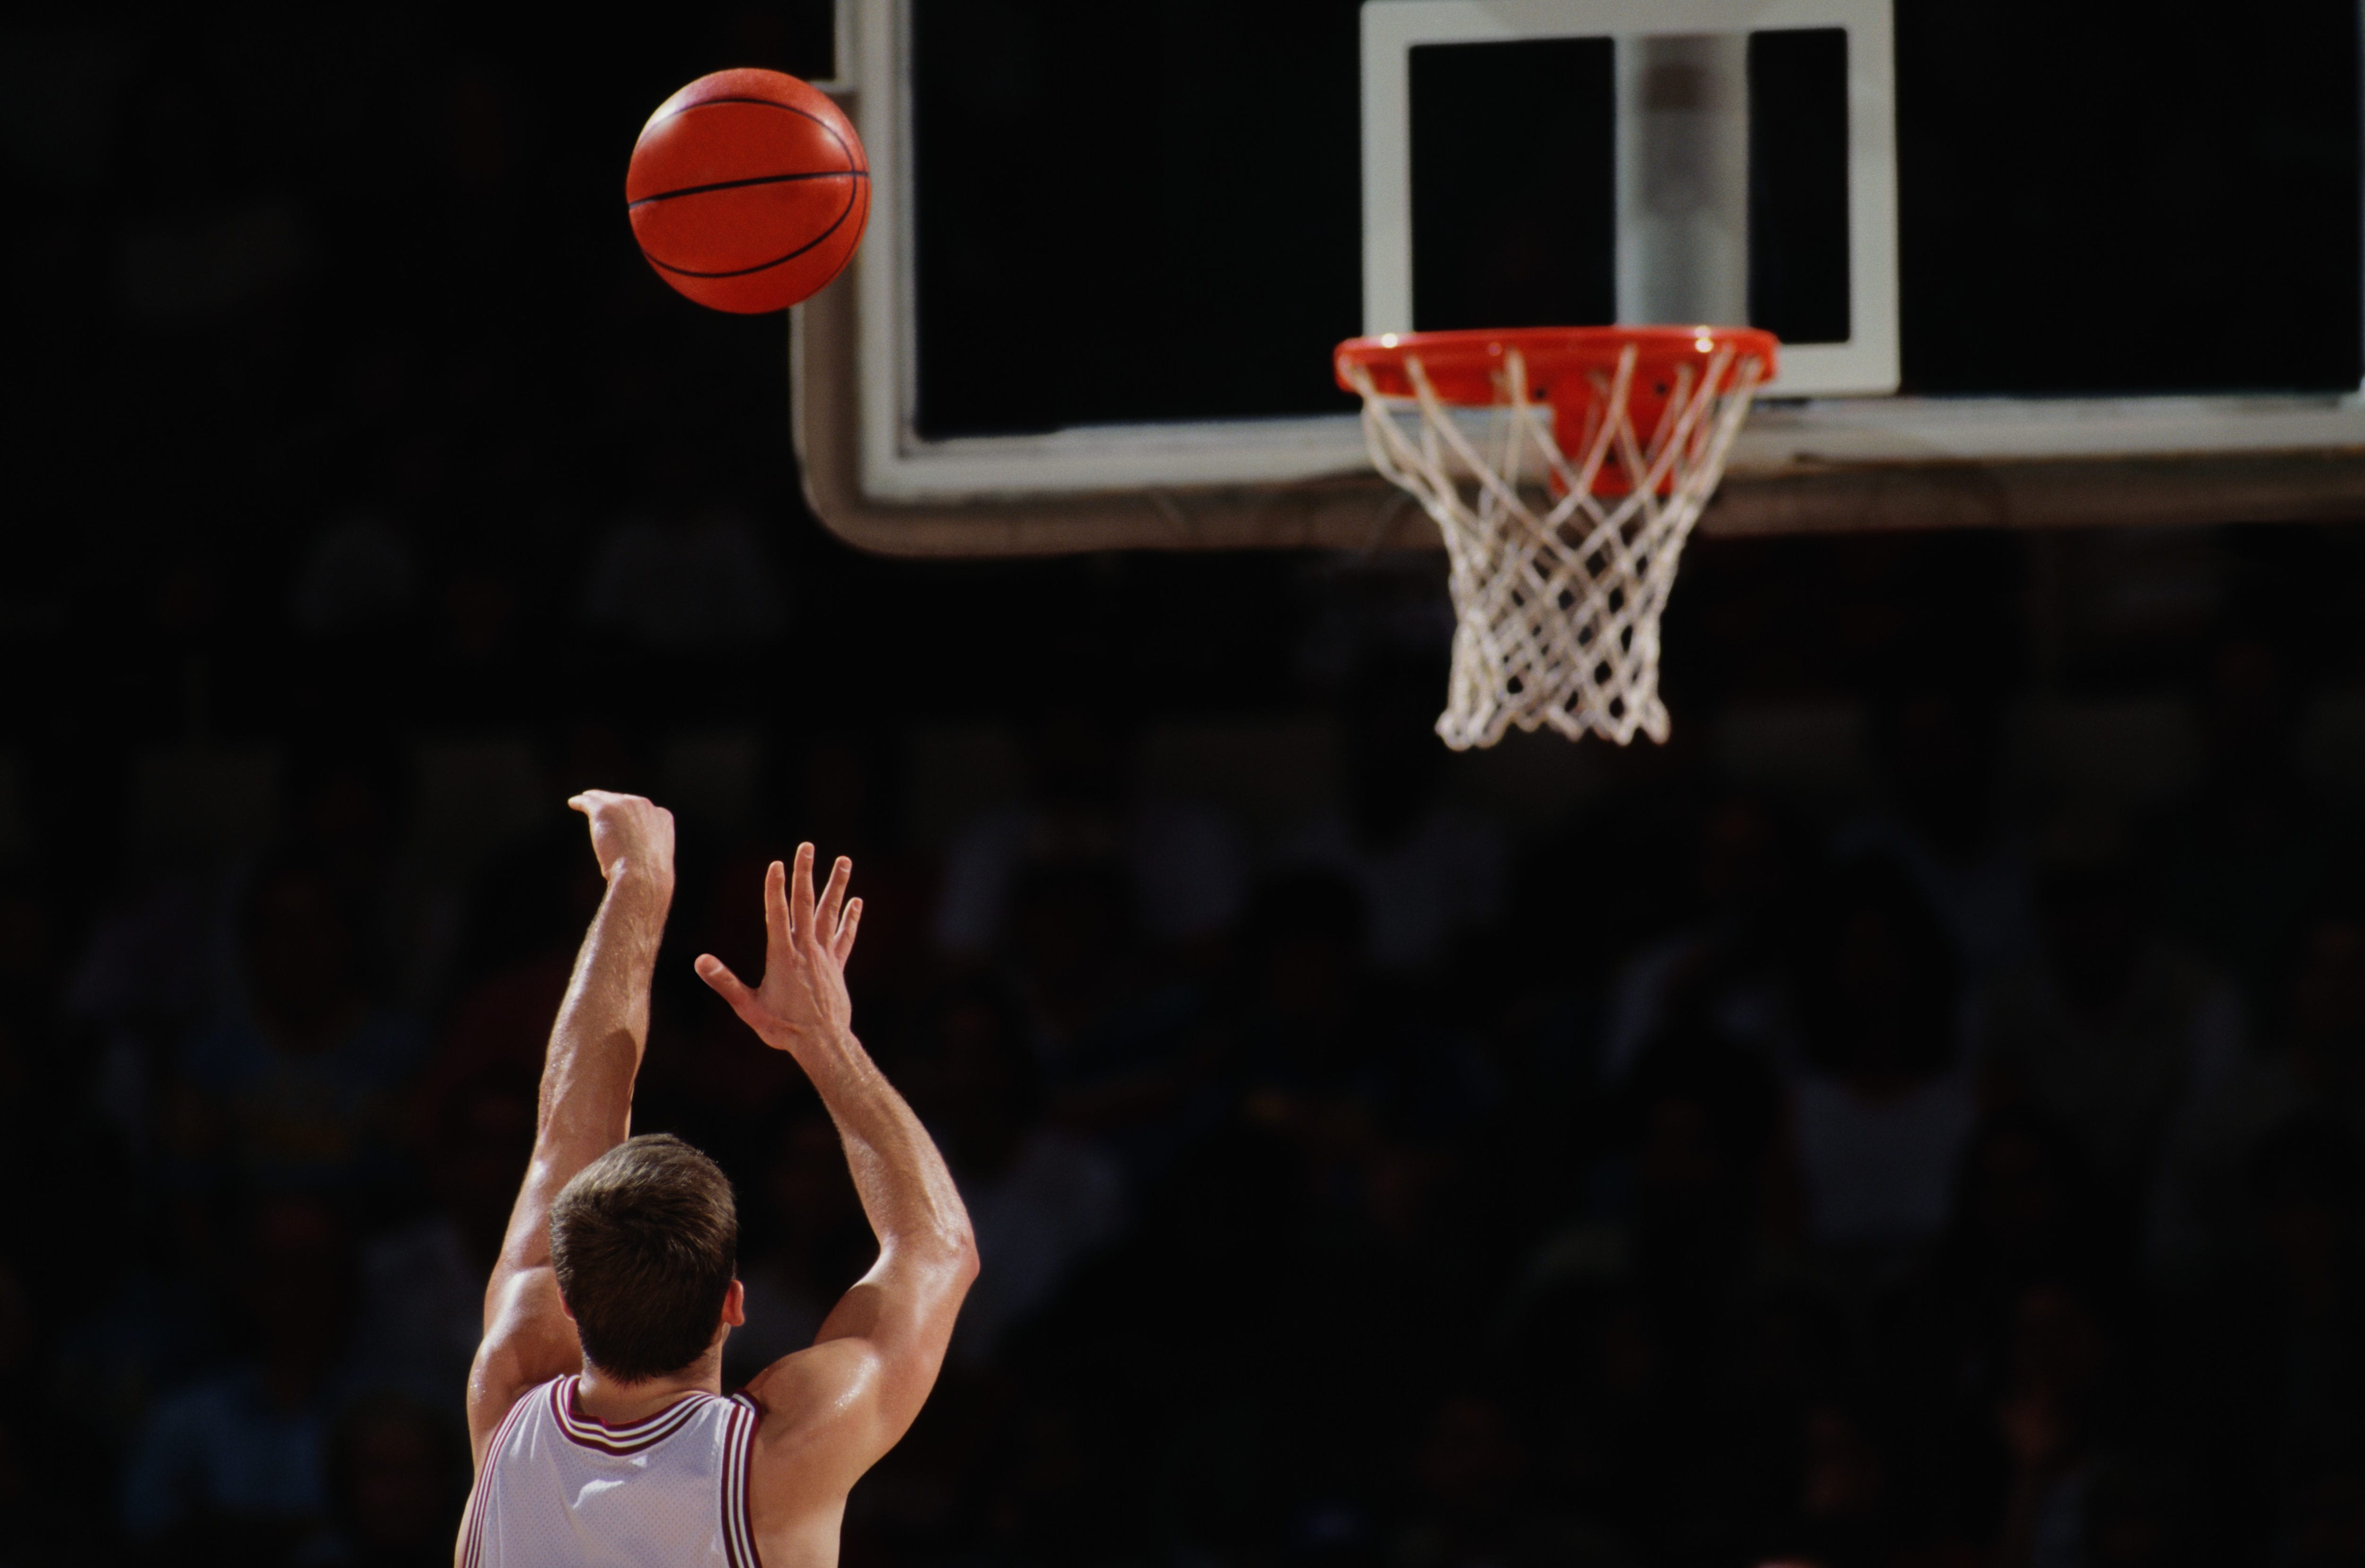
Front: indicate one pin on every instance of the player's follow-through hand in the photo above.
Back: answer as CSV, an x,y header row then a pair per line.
x,y
802,1000
628,833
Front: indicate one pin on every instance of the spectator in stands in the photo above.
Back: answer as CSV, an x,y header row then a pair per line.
x,y
2117,1033
349,812
424,1282
530,904
2261,1361
1729,970
1431,873
2139,1514
1381,1105
1041,1198
233,1464
142,1316
360,574
1051,1477
2199,1212
1702,1115
395,1487
1939,743
2023,1217
1601,1417
1319,1025
1117,1040
2274,1363
1846,1490
482,664
2054,1416
299,1085
2025,1212
686,580
1648,1405
1879,1120
1184,862
2253,850
1473,1502
154,965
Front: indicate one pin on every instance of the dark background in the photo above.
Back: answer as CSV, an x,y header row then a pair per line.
x,y
1910,1118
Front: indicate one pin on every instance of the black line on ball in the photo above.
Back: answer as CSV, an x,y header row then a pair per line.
x,y
827,128
751,180
763,266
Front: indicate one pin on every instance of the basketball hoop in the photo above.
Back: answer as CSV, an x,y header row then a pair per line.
x,y
1559,564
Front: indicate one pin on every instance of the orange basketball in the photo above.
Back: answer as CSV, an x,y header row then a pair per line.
x,y
748,190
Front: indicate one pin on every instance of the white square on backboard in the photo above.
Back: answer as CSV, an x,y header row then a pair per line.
x,y
1864,365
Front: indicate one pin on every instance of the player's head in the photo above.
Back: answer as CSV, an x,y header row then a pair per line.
x,y
645,1243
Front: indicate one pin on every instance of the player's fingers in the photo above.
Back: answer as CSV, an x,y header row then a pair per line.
x,y
844,947
833,902
800,892
776,907
727,986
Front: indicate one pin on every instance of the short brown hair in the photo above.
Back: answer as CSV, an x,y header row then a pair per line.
x,y
646,1242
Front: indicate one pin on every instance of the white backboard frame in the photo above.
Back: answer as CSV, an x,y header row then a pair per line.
x,y
1867,364
1802,463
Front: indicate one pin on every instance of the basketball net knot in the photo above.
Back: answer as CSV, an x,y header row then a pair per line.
x,y
1557,589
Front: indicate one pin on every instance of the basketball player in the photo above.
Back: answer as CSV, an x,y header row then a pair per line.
x,y
595,1406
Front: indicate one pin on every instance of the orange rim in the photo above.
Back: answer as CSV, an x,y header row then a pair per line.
x,y
1465,368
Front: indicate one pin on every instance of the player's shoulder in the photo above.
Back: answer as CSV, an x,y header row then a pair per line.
x,y
498,1405
817,1431
814,1385
817,1406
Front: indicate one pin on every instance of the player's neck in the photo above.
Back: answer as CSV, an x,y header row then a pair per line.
x,y
614,1404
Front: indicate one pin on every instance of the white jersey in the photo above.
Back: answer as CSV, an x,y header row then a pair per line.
x,y
560,1489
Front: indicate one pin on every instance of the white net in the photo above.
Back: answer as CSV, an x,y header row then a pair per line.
x,y
1557,591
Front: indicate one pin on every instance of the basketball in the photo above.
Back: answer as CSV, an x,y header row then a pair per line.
x,y
747,191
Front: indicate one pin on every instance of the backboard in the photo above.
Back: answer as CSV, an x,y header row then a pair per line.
x,y
2028,268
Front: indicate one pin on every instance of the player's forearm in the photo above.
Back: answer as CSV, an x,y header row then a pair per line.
x,y
595,1051
906,1190
603,1024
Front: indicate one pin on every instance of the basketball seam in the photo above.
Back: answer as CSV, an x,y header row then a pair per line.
x,y
827,128
838,223
750,180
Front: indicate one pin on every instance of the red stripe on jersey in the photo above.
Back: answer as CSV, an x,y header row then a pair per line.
x,y
591,1433
472,1534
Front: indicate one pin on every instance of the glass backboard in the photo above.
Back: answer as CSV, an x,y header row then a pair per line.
x,y
2077,266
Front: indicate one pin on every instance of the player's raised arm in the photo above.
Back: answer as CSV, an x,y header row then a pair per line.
x,y
832,1410
587,1101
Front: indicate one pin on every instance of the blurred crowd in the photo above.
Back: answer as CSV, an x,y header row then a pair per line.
x,y
1703,1180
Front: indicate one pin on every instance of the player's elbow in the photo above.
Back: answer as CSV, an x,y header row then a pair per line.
x,y
939,1254
944,1252
957,1252
954,1251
